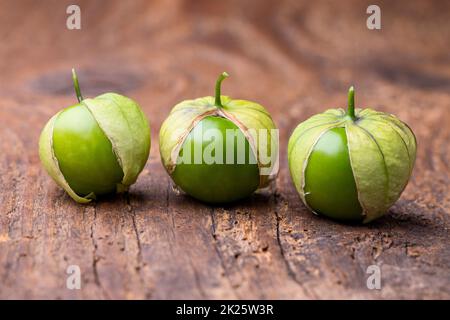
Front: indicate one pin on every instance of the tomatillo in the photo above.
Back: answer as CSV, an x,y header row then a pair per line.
x,y
97,146
351,165
217,149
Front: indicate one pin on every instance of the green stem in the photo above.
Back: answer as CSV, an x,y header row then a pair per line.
x,y
218,102
351,103
76,85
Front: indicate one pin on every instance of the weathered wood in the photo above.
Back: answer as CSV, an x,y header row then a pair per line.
x,y
296,58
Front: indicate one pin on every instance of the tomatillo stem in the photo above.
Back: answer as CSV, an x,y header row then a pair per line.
x,y
351,103
218,102
76,85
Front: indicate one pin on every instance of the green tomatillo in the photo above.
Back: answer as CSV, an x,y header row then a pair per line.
x,y
97,146
217,149
351,165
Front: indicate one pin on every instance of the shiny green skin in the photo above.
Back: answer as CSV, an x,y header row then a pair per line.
x,y
216,183
330,186
84,153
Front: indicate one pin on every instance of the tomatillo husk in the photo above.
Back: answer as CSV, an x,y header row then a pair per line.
x,y
351,165
96,147
188,128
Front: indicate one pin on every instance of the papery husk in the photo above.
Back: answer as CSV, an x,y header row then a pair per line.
x,y
126,126
302,142
50,163
382,152
246,115
123,123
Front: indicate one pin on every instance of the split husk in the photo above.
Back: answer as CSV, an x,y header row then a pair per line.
x,y
124,124
382,152
248,116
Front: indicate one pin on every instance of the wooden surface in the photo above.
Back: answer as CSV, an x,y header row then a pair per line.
x,y
296,58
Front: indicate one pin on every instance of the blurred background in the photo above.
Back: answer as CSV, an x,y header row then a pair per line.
x,y
294,57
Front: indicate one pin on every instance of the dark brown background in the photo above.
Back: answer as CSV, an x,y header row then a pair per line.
x,y
296,58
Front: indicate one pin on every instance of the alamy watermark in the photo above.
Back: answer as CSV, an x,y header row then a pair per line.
x,y
374,20
213,147
373,282
73,281
73,21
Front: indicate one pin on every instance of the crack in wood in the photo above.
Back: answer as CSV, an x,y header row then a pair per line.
x,y
219,254
95,257
132,213
290,271
197,280
139,257
168,211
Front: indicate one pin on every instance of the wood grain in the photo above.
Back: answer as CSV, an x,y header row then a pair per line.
x,y
296,58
